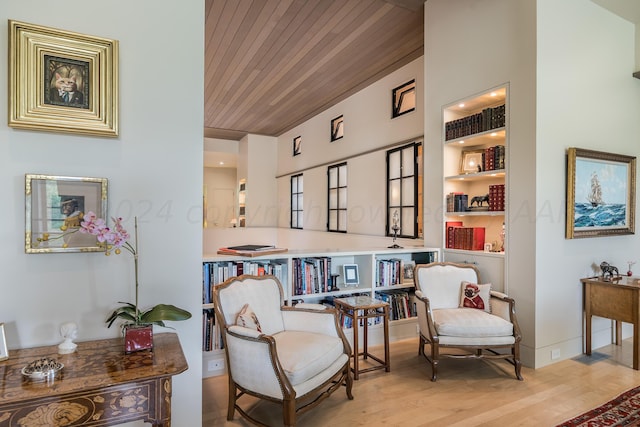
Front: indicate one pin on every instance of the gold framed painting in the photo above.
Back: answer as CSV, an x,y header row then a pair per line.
x,y
62,81
601,189
54,209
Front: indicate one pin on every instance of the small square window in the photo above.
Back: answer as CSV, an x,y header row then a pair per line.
x,y
297,145
337,128
404,99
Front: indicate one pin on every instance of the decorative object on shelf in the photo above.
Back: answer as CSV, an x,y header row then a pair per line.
x,y
629,272
600,194
608,270
54,209
62,81
471,161
113,240
395,227
479,200
334,283
4,353
68,331
350,274
43,369
503,235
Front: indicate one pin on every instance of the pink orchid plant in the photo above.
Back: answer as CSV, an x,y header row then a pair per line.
x,y
113,240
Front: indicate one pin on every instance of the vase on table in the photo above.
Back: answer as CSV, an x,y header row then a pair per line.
x,y
137,338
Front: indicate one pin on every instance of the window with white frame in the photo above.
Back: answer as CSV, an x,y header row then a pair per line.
x,y
296,200
337,206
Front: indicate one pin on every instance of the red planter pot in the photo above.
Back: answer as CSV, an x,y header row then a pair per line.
x,y
137,338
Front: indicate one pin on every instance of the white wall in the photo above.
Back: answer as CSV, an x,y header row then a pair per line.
x,y
368,129
221,190
587,99
472,46
154,171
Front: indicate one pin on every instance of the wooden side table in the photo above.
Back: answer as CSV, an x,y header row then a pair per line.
x,y
99,385
617,299
363,307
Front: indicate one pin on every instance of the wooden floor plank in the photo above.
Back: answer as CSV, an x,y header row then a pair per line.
x,y
467,393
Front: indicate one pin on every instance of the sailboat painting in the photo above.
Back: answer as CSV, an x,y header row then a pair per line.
x,y
600,193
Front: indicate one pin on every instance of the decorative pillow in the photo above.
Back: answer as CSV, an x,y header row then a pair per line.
x,y
248,319
473,295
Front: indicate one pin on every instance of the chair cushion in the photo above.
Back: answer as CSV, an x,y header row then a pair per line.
x,y
473,295
304,355
248,319
470,323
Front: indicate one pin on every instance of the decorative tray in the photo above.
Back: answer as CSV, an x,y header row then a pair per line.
x,y
44,369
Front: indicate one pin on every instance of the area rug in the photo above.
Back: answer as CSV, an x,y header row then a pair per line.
x,y
624,410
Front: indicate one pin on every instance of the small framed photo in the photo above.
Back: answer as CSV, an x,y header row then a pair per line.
x,y
350,274
408,270
488,247
62,81
297,145
54,209
4,353
601,191
471,161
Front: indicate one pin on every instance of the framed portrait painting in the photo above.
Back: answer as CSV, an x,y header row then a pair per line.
x,y
601,190
62,81
54,209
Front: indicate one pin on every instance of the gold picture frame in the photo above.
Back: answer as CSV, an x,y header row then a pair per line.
x,y
471,161
601,189
62,81
54,209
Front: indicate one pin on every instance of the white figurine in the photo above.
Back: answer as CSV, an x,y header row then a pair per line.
x,y
69,332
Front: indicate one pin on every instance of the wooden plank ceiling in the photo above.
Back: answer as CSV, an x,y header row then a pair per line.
x,y
272,64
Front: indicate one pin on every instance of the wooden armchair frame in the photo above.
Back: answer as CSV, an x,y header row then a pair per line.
x,y
501,305
265,346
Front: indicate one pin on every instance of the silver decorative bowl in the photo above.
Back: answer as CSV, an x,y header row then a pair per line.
x,y
44,369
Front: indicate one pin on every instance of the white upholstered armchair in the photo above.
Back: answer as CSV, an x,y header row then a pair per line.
x,y
296,356
455,310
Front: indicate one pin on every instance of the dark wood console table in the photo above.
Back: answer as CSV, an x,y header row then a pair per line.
x,y
617,299
99,385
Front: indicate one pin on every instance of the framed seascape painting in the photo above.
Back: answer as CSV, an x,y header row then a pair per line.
x,y
601,190
55,207
62,81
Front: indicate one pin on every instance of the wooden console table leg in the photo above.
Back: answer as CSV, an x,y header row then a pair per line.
x,y
618,332
356,353
636,344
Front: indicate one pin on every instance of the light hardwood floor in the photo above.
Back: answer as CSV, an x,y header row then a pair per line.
x,y
467,393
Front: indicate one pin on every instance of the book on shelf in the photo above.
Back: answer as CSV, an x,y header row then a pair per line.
x,y
250,250
457,202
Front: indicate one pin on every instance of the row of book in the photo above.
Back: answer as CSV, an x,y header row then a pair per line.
x,y
457,202
467,238
217,272
393,271
211,336
402,304
493,158
496,197
311,275
489,118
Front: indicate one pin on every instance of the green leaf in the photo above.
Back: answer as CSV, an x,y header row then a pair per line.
x,y
163,312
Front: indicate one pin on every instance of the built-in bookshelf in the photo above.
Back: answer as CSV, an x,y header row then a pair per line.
x,y
318,277
475,136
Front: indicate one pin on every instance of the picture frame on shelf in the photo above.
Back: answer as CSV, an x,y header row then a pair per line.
x,y
471,161
408,268
54,209
350,274
601,190
4,353
62,81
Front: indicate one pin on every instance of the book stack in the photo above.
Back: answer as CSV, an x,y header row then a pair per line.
x,y
400,302
457,202
466,238
496,197
493,158
311,275
489,118
390,272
